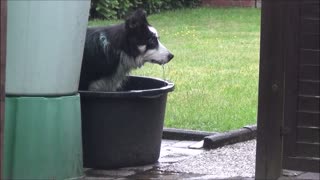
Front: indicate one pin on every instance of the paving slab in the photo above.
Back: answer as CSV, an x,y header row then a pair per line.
x,y
292,175
181,159
173,154
237,160
168,142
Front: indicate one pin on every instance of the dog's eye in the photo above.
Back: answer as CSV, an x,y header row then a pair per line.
x,y
152,41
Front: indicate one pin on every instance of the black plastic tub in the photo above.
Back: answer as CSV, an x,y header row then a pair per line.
x,y
124,128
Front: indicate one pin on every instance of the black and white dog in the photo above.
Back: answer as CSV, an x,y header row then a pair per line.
x,y
111,52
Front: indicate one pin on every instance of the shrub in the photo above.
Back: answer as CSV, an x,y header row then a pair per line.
x,y
115,9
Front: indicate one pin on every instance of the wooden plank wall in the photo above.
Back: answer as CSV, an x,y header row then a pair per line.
x,y
301,150
3,29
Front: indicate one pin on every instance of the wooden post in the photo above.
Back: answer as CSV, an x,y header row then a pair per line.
x,y
271,91
3,38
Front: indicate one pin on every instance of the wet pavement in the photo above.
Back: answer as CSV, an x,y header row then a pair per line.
x,y
188,160
229,161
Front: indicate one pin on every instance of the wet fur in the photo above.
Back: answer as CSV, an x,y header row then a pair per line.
x,y
111,52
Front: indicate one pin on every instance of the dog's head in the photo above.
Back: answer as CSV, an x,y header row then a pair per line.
x,y
145,40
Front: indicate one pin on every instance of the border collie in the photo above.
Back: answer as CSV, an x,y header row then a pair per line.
x,y
111,52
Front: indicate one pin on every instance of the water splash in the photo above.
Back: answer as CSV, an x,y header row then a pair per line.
x,y
163,72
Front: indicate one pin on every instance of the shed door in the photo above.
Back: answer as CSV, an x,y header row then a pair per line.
x,y
302,92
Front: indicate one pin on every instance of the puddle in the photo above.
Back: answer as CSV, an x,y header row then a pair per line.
x,y
158,174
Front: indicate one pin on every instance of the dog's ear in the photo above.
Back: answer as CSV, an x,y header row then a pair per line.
x,y
136,19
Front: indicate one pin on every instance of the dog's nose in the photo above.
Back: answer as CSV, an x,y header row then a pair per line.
x,y
170,56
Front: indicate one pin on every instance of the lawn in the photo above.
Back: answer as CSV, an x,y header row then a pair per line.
x,y
215,69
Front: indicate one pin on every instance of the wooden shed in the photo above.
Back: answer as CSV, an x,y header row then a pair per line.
x,y
289,93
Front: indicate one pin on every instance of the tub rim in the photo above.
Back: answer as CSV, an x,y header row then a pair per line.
x,y
154,92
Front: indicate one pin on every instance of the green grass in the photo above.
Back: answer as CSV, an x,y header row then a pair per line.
x,y
215,69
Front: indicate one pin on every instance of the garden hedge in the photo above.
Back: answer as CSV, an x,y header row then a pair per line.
x,y
116,9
